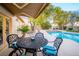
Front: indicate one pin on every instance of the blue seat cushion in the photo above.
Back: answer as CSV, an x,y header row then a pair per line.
x,y
14,45
49,48
49,52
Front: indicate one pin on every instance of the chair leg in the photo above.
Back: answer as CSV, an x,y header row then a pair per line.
x,y
20,52
25,51
35,54
11,53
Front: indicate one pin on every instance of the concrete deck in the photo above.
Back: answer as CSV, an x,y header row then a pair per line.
x,y
69,48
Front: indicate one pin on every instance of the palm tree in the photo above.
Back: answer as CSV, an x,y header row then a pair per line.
x,y
77,18
61,17
32,23
72,19
57,13
65,18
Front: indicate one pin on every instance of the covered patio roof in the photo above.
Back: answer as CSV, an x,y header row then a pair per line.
x,y
25,9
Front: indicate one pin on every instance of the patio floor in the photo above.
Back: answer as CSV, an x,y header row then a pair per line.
x,y
68,48
6,52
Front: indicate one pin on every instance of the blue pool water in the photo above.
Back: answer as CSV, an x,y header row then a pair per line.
x,y
66,35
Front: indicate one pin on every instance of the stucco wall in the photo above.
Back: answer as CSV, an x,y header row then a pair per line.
x,y
15,24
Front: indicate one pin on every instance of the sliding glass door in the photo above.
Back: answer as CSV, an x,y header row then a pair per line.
x,y
1,33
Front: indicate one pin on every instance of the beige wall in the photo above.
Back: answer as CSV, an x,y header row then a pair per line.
x,y
15,24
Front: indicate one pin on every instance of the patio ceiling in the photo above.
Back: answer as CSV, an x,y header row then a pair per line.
x,y
25,9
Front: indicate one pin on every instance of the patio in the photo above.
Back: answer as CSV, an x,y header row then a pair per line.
x,y
18,14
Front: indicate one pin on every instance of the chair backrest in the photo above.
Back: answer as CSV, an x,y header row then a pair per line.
x,y
57,43
11,38
39,35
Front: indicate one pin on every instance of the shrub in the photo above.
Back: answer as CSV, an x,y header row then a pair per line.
x,y
70,29
24,28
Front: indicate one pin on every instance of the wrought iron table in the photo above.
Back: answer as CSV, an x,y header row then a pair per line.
x,y
31,45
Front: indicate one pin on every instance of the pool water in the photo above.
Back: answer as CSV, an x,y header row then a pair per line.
x,y
66,35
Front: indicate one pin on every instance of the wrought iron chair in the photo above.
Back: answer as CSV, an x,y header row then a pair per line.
x,y
39,35
12,40
52,50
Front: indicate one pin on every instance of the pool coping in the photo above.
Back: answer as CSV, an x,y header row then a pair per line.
x,y
71,32
63,31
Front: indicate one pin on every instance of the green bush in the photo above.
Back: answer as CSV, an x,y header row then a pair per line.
x,y
73,31
70,29
24,29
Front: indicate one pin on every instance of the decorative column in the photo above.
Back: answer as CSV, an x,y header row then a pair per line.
x,y
10,25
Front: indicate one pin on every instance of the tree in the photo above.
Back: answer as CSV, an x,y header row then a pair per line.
x,y
60,17
45,25
72,19
42,18
77,18
32,23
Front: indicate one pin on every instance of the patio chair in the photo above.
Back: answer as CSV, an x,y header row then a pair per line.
x,y
52,50
39,35
12,40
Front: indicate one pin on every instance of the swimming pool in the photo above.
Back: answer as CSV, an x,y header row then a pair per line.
x,y
66,35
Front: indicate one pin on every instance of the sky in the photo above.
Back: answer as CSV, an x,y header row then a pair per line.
x,y
68,6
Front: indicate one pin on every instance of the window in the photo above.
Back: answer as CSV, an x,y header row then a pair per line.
x,y
1,36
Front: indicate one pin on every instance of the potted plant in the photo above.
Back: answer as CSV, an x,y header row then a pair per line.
x,y
23,29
